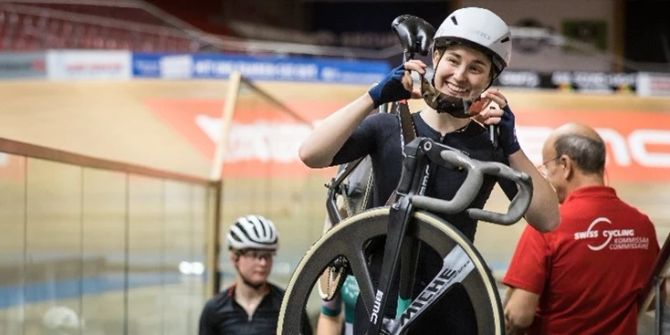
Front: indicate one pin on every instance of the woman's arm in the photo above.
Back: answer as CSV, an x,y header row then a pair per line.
x,y
331,318
543,212
329,136
329,325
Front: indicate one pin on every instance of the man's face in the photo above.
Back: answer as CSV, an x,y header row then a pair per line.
x,y
462,72
254,265
552,169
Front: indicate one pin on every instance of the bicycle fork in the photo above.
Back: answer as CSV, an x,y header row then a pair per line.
x,y
399,220
396,243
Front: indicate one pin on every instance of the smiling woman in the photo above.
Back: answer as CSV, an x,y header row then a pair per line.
x,y
470,48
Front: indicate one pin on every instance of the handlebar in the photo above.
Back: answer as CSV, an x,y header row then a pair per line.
x,y
464,195
452,158
519,204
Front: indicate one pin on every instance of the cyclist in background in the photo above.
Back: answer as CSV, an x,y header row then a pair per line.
x,y
470,49
251,305
586,276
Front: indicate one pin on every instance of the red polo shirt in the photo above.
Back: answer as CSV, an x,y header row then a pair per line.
x,y
590,270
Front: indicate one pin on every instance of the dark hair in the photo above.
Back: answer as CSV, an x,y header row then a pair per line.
x,y
588,153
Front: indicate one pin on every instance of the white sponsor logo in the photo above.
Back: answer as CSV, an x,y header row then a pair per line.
x,y
279,141
176,66
520,78
616,239
264,141
223,68
88,64
376,306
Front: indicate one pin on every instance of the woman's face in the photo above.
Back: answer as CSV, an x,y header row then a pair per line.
x,y
462,72
253,265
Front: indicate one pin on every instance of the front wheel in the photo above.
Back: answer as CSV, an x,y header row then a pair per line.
x,y
349,238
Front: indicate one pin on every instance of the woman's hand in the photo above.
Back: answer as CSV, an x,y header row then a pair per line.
x,y
493,107
407,81
397,85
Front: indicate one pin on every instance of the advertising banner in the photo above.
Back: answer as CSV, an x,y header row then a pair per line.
x,y
638,141
653,84
290,69
220,66
23,65
577,81
88,64
146,65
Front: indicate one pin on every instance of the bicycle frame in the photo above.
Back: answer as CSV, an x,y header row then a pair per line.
x,y
421,157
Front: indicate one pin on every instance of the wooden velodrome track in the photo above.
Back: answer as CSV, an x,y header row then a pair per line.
x,y
112,120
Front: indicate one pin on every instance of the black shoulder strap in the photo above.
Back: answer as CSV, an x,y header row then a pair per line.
x,y
406,123
407,133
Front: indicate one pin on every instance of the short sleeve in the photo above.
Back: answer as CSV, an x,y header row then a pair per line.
x,y
365,138
528,268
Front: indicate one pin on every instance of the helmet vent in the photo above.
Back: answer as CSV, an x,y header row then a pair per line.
x,y
506,39
453,19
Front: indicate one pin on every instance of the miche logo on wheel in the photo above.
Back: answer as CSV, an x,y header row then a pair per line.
x,y
457,265
376,306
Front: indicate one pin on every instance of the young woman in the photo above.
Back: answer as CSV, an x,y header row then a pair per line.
x,y
470,49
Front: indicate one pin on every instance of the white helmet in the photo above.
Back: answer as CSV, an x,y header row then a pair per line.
x,y
252,232
479,28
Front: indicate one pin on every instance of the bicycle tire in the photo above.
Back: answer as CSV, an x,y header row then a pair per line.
x,y
355,231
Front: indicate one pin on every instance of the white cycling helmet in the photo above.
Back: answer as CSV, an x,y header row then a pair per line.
x,y
479,28
253,232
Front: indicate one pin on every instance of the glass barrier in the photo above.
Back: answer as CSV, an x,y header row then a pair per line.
x,y
112,248
53,243
12,243
104,245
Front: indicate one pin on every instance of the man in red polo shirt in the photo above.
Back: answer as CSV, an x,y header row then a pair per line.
x,y
585,276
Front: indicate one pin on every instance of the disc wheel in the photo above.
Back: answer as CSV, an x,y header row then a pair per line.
x,y
348,240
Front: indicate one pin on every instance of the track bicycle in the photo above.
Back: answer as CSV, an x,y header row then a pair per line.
x,y
408,220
